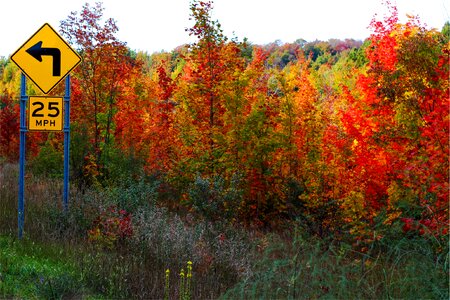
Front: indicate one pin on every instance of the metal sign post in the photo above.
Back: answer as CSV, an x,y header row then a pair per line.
x,y
66,143
23,130
45,113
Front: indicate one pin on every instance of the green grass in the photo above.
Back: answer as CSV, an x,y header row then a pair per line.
x,y
32,271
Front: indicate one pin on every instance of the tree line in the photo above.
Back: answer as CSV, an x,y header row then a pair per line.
x,y
346,136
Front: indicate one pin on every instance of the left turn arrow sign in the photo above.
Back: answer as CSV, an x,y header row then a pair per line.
x,y
46,58
37,51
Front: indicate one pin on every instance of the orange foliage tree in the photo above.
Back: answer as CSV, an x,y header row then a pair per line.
x,y
98,85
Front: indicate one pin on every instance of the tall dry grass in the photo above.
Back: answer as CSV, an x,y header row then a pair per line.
x,y
221,255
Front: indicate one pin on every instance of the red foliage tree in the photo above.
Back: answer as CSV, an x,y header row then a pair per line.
x,y
9,128
392,145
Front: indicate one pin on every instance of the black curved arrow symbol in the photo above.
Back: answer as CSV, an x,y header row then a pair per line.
x,y
37,51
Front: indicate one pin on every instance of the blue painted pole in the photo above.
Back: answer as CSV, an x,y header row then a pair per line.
x,y
23,130
66,143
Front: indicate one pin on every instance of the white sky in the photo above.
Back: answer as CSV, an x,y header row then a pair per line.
x,y
151,26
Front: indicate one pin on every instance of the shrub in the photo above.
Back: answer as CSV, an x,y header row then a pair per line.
x,y
214,198
110,227
50,161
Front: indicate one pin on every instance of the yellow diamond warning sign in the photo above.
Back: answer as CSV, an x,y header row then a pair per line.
x,y
46,58
45,113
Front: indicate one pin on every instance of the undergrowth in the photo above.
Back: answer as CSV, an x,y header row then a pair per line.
x,y
132,265
312,268
58,259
